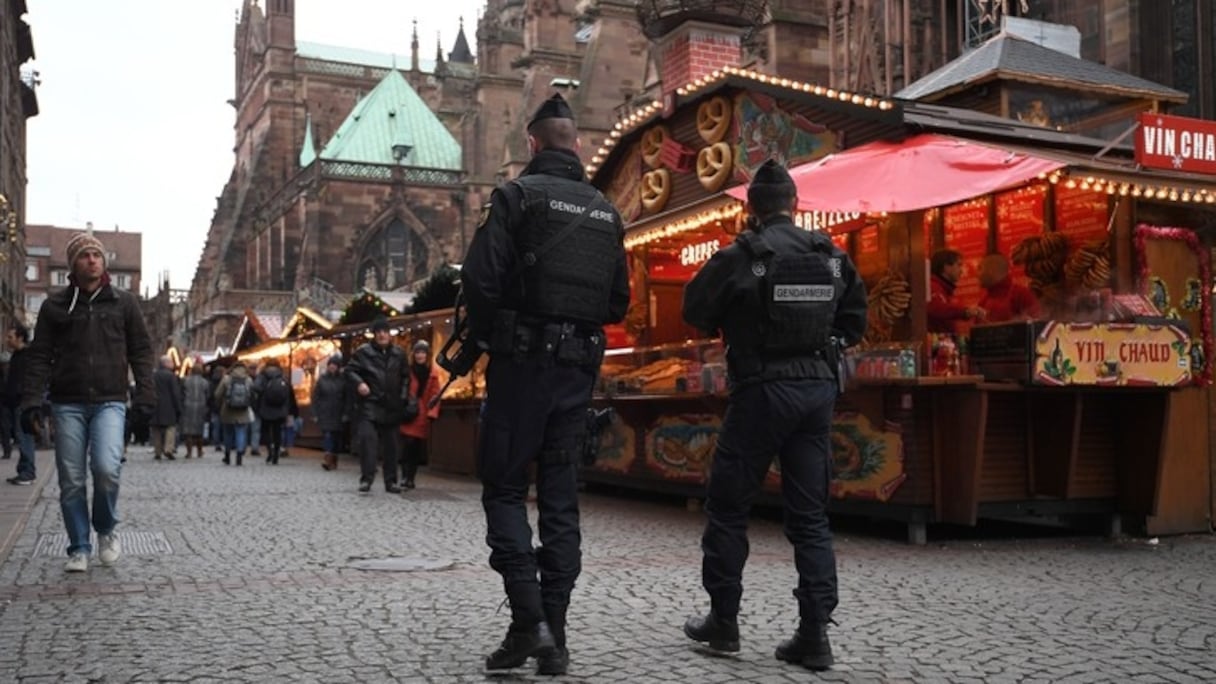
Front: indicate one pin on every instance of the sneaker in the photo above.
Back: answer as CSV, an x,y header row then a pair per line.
x,y
77,562
108,548
18,480
365,486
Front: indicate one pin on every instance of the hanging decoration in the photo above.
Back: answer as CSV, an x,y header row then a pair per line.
x,y
1156,288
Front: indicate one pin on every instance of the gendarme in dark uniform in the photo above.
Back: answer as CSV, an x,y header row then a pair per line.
x,y
781,297
545,271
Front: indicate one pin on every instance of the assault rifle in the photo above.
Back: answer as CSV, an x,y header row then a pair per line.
x,y
459,354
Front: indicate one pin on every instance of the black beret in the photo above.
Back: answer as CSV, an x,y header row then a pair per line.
x,y
553,108
771,182
379,323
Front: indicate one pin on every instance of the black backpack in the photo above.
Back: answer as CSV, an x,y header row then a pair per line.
x,y
277,393
238,393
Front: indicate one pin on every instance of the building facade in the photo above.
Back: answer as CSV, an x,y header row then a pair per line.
x,y
47,269
18,102
330,191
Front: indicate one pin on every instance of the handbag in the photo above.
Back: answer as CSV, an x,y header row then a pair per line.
x,y
410,411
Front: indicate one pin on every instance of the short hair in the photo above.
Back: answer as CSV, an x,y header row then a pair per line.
x,y
21,331
943,258
555,133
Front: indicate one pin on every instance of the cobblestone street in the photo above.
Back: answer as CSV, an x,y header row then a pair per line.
x,y
251,574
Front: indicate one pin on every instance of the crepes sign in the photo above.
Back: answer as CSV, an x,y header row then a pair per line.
x,y
1177,143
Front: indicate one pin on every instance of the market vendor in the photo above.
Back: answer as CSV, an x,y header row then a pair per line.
x,y
1004,300
946,267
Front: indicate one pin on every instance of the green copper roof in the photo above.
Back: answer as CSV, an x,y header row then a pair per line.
x,y
347,55
393,114
308,151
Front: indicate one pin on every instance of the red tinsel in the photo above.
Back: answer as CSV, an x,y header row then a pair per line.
x,y
1145,232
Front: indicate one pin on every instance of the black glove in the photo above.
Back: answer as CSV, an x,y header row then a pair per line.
x,y
31,420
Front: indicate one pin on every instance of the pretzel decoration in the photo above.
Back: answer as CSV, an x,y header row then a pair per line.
x,y
652,145
713,118
714,165
656,188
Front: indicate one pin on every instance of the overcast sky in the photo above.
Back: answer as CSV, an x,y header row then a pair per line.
x,y
134,129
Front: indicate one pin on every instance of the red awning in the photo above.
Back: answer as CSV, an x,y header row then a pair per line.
x,y
923,171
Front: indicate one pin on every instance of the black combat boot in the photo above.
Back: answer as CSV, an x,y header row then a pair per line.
x,y
809,647
522,642
719,633
557,662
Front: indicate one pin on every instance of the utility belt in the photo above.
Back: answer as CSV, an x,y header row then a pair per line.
x,y
567,344
749,369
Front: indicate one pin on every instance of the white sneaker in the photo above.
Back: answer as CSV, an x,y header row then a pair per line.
x,y
108,548
77,562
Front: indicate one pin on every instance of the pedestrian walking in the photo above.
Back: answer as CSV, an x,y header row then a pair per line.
x,y
378,372
423,389
16,339
275,404
234,396
785,300
329,403
196,408
545,271
168,409
214,378
87,338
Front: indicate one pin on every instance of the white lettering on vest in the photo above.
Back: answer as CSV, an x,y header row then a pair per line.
x,y
803,293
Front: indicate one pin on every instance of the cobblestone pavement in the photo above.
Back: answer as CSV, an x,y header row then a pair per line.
x,y
248,574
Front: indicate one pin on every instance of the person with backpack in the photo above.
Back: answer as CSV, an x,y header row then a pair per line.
x,y
275,402
234,396
786,301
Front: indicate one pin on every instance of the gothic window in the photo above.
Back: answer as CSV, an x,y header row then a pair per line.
x,y
393,259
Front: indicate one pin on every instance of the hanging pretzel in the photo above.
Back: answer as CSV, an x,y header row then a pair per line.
x,y
652,145
714,165
713,118
656,188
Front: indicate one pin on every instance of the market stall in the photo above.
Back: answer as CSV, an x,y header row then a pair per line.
x,y
1084,413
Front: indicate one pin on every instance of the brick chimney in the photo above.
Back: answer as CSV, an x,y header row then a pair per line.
x,y
695,49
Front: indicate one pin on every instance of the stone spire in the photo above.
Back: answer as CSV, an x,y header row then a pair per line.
x,y
414,62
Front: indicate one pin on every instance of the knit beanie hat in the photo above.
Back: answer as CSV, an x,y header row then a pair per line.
x,y
421,345
79,243
771,184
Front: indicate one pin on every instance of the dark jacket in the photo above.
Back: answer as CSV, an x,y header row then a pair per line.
x,y
386,373
725,292
492,254
168,398
14,379
265,410
83,345
330,397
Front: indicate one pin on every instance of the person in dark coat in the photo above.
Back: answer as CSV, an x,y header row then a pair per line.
x,y
329,408
379,372
168,409
545,271
196,409
786,301
17,337
276,401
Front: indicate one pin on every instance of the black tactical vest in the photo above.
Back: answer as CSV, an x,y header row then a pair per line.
x,y
573,278
797,292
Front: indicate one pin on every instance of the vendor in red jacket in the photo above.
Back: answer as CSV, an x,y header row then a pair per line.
x,y
1003,299
946,267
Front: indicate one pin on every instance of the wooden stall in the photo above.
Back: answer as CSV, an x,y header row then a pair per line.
x,y
1057,431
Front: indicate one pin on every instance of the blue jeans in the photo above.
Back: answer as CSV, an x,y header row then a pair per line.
x,y
235,435
88,435
10,421
255,434
329,440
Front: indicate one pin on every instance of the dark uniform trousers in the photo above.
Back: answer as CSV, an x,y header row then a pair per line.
x,y
534,413
376,442
789,419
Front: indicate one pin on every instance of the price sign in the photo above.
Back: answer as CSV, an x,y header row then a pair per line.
x,y
966,229
1019,215
1081,215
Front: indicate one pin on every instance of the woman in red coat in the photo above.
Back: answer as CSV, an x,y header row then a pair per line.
x,y
424,384
1003,299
